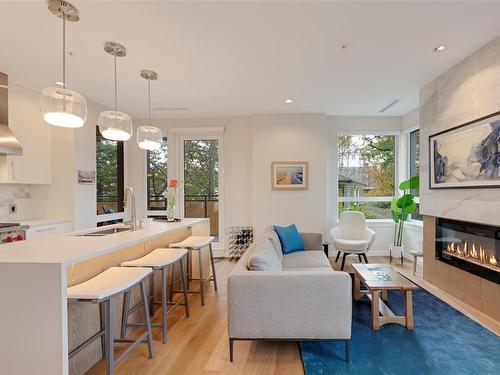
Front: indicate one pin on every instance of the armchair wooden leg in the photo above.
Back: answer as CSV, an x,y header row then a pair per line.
x,y
338,256
347,344
366,259
231,342
343,261
359,258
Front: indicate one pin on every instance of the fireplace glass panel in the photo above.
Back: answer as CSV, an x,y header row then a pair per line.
x,y
472,247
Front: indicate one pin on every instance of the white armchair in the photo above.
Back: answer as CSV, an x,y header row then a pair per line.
x,y
352,236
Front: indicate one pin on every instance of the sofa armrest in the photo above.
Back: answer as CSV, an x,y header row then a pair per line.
x,y
290,305
312,241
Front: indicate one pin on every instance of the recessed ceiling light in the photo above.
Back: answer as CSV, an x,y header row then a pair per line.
x,y
440,48
59,83
289,101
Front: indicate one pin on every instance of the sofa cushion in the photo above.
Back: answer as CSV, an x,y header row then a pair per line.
x,y
290,239
353,245
306,259
264,257
270,233
309,269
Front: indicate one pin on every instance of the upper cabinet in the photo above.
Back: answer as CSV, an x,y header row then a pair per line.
x,y
26,122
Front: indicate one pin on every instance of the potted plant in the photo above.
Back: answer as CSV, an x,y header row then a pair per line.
x,y
401,209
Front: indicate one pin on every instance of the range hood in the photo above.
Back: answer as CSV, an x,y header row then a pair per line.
x,y
9,145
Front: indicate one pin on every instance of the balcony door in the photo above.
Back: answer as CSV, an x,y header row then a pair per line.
x,y
201,171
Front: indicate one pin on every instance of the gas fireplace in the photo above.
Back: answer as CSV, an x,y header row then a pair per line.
x,y
473,247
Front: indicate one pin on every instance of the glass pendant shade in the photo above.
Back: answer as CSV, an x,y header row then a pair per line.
x,y
62,107
149,138
115,126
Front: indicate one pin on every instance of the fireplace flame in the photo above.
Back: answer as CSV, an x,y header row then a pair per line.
x,y
471,252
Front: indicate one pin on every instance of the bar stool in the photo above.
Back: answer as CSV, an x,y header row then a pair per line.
x,y
198,243
159,260
101,289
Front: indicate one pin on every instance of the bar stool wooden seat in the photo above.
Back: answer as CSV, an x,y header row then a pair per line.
x,y
101,289
159,260
198,243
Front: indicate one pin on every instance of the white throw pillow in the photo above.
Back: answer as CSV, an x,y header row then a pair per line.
x,y
271,234
264,257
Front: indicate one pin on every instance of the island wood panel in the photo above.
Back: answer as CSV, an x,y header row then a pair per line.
x,y
84,318
481,294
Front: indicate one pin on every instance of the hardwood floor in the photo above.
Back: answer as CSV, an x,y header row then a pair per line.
x,y
198,345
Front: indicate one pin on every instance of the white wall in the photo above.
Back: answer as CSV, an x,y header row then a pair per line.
x,y
468,91
296,138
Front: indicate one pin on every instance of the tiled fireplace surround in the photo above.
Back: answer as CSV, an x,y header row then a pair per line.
x,y
468,91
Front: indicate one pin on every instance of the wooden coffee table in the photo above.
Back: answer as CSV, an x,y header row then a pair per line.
x,y
378,279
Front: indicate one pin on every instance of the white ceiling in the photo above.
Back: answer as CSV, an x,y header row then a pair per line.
x,y
240,58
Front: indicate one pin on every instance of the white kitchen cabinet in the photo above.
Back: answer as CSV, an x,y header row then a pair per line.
x,y
38,231
26,122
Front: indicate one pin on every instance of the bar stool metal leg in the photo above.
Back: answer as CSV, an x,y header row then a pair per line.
x,y
213,265
184,288
172,282
102,312
164,304
189,267
146,317
153,295
126,304
108,326
202,280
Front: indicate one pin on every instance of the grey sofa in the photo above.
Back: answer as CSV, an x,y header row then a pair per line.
x,y
298,298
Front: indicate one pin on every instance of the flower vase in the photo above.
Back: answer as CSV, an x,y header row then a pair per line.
x,y
170,209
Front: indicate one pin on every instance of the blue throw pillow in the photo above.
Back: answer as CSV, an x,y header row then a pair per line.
x,y
290,239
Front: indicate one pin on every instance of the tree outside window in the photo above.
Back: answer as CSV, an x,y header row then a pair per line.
x,y
157,177
366,174
109,175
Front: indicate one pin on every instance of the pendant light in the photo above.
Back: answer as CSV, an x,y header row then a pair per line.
x,y
60,106
149,137
114,125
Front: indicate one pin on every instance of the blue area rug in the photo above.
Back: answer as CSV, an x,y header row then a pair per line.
x,y
444,341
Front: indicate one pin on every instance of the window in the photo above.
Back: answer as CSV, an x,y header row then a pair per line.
x,y
414,168
109,161
157,164
366,174
201,180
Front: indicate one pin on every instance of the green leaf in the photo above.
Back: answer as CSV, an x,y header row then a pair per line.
x,y
409,209
412,183
405,200
394,205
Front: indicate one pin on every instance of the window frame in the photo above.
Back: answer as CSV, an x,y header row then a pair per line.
x,y
120,183
396,135
410,164
149,210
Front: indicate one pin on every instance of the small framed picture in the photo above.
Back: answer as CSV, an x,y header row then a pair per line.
x,y
86,177
289,175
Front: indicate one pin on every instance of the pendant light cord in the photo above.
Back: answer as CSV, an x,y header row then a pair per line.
x,y
116,87
64,49
149,100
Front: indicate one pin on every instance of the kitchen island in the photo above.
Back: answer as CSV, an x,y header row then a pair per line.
x,y
34,276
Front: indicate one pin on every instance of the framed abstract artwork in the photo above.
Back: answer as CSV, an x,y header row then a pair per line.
x,y
466,156
289,175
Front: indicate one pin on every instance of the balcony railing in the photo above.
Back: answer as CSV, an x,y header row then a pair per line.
x,y
194,206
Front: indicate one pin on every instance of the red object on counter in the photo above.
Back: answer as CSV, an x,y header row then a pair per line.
x,y
8,239
19,237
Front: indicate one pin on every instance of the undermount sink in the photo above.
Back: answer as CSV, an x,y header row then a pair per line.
x,y
104,232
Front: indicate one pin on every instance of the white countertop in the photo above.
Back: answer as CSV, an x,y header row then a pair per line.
x,y
69,248
38,222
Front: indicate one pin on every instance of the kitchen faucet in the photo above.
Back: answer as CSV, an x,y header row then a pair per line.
x,y
133,220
